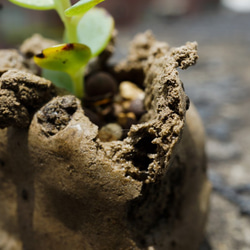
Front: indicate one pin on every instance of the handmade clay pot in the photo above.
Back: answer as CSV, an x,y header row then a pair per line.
x,y
61,187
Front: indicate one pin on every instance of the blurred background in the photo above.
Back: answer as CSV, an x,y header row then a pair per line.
x,y
219,85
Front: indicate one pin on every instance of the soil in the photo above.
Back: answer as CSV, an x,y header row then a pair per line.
x,y
21,94
76,186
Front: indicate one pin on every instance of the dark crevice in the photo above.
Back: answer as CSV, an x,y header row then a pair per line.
x,y
145,145
140,157
142,176
25,195
141,161
174,105
2,163
187,102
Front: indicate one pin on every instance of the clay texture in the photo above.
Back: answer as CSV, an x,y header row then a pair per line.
x,y
61,187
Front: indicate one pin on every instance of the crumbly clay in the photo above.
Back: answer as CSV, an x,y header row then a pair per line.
x,y
63,188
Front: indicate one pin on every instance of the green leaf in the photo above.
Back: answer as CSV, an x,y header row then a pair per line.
x,y
81,7
95,30
69,57
60,79
35,4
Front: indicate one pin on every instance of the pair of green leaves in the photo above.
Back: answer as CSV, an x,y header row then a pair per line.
x,y
94,26
88,31
79,8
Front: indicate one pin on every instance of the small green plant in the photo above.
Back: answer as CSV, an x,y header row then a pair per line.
x,y
87,32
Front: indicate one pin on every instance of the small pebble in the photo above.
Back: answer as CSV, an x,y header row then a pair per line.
x,y
130,91
117,109
137,107
110,132
100,85
126,104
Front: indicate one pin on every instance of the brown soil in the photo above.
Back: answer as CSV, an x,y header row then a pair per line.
x,y
21,95
63,187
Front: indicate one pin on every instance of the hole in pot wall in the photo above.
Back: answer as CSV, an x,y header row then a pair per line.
x,y
2,163
140,157
25,195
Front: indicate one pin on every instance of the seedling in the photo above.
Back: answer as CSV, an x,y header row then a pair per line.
x,y
87,32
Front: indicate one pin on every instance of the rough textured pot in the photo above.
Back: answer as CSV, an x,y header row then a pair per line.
x,y
61,187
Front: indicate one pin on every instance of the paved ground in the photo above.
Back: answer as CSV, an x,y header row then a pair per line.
x,y
219,85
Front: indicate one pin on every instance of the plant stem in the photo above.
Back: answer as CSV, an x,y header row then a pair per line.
x,y
70,26
78,82
71,36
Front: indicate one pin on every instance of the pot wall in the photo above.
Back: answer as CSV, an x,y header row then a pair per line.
x,y
61,187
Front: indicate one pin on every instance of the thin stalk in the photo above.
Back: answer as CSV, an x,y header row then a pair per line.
x,y
70,27
78,82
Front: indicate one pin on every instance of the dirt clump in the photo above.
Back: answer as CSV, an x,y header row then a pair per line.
x,y
21,94
55,115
